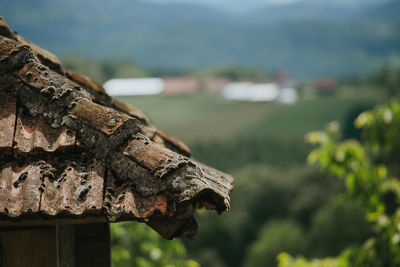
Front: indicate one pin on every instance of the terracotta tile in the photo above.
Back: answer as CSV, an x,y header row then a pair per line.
x,y
76,189
35,135
7,122
19,189
98,117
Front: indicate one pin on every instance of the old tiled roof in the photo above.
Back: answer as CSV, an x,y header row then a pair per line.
x,y
70,153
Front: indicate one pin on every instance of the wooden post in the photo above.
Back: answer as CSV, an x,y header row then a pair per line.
x,y
81,245
92,245
28,248
66,245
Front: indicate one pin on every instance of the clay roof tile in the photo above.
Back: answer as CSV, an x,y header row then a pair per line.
x,y
71,153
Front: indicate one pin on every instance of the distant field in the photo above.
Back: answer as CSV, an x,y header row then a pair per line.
x,y
202,118
304,116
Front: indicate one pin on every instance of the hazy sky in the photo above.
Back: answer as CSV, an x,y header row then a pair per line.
x,y
233,5
248,5
259,2
228,1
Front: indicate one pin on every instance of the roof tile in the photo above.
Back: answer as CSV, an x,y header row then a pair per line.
x,y
152,156
122,203
7,122
8,46
98,117
85,81
76,190
19,189
75,153
34,134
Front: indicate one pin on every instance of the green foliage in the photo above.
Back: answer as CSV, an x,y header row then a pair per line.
x,y
275,236
245,151
339,224
349,159
135,244
232,72
262,194
388,76
285,260
384,80
381,134
368,181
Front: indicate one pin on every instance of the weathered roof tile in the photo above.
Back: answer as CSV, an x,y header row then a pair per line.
x,y
121,202
129,110
84,81
7,122
33,134
75,189
69,151
19,189
44,55
8,46
152,156
98,117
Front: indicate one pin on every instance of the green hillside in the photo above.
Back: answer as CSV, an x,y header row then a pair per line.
x,y
205,118
201,118
307,39
249,133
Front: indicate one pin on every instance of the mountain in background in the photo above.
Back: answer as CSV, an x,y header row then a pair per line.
x,y
307,37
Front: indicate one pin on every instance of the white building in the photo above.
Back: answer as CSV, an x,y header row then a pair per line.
x,y
251,92
288,95
263,92
134,86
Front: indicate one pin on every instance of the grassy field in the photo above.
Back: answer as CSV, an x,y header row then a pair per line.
x,y
204,118
200,117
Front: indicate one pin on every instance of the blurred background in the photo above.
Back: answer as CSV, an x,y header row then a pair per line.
x,y
241,83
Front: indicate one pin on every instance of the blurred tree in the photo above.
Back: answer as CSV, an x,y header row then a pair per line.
x,y
349,129
274,237
135,244
368,181
232,72
339,224
384,80
387,77
262,194
84,66
103,70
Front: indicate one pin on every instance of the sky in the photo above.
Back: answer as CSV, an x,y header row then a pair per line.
x,y
211,2
248,5
235,5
